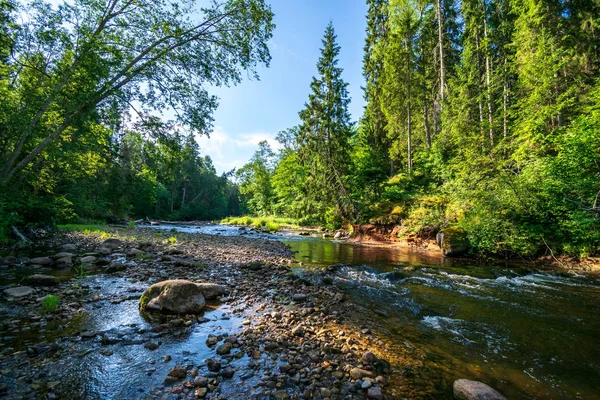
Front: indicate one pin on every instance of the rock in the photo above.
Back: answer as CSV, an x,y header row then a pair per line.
x,y
281,395
374,393
68,247
210,290
115,267
223,349
299,297
298,331
304,234
19,291
212,340
112,244
151,346
200,393
357,373
134,252
41,261
42,280
200,381
366,384
452,241
213,366
88,260
368,357
64,262
465,389
62,254
338,235
177,372
227,373
173,296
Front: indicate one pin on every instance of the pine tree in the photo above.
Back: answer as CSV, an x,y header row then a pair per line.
x,y
325,132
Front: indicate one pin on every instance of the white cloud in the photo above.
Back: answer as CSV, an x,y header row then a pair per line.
x,y
233,150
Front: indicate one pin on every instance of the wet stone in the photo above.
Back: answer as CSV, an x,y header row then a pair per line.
x,y
223,349
177,372
19,291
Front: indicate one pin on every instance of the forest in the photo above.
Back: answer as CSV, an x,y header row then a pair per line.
x,y
481,117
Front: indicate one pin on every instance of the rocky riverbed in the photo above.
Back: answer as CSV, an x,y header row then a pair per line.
x,y
272,334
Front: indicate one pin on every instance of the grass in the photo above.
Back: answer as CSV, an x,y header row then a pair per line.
x,y
50,303
270,224
80,271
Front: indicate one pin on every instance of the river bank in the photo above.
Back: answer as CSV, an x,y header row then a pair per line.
x,y
287,336
381,235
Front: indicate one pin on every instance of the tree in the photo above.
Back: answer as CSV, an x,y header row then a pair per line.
x,y
324,134
255,180
94,59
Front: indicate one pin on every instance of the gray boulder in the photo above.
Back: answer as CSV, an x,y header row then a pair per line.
x,y
465,389
453,242
68,247
173,297
64,262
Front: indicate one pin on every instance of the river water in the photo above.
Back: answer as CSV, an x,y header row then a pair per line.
x,y
526,332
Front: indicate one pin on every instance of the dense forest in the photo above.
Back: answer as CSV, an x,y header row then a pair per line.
x,y
83,86
482,118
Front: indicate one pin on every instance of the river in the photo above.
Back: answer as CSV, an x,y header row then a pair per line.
x,y
526,332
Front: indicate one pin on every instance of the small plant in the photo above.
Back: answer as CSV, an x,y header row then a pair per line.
x,y
131,225
50,303
173,230
80,271
172,240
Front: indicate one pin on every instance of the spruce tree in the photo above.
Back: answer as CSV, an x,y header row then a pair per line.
x,y
325,132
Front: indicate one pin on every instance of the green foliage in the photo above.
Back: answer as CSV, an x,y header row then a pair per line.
x,y
50,303
172,240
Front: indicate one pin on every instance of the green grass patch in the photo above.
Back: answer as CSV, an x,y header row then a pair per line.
x,y
50,303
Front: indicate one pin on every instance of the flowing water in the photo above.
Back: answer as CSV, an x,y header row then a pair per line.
x,y
526,332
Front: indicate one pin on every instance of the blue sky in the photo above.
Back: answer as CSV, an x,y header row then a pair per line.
x,y
257,110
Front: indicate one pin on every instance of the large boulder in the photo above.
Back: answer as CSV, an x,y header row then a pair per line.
x,y
465,389
64,262
453,242
173,297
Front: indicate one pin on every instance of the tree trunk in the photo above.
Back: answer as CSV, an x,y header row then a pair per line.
x,y
488,73
438,11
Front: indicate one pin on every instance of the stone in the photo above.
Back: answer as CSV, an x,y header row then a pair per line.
x,y
223,349
298,331
299,297
201,381
41,261
42,280
63,254
227,373
88,260
212,340
374,393
338,235
64,262
210,291
357,373
173,297
281,395
368,357
151,346
19,291
112,244
213,366
465,389
134,252
366,384
177,372
200,393
68,247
